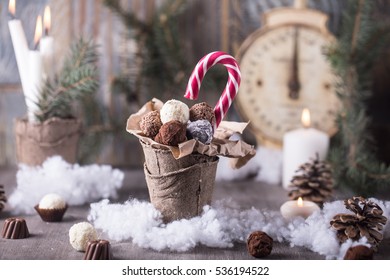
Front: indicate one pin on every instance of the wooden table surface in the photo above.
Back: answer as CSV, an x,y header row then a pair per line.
x,y
51,241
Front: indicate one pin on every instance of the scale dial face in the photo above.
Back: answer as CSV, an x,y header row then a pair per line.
x,y
284,70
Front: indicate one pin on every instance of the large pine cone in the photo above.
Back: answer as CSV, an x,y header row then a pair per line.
x,y
313,182
367,221
3,198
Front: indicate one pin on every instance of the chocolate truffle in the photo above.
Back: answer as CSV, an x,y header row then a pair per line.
x,y
202,111
200,130
51,208
174,110
171,133
359,252
80,234
15,228
98,250
259,244
151,123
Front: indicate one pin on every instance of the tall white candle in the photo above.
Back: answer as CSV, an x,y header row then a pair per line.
x,y
47,46
35,83
301,145
19,43
34,75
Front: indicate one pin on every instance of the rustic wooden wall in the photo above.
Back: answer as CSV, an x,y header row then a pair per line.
x,y
209,25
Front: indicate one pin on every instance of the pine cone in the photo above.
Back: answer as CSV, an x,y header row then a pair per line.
x,y
313,182
367,221
3,198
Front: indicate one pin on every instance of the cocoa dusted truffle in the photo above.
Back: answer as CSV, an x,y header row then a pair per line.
x,y
202,111
359,252
15,228
171,133
98,250
151,123
200,130
259,244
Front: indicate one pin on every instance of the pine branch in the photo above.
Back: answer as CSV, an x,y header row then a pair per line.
x,y
358,48
129,19
356,27
78,77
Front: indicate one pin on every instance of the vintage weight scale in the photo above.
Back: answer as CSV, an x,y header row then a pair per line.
x,y
284,71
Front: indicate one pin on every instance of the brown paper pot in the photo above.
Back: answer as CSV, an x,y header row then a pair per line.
x,y
161,161
36,142
185,187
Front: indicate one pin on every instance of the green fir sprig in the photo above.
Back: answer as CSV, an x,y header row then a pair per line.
x,y
356,168
77,78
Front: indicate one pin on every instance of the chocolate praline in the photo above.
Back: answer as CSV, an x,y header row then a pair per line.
x,y
200,130
151,123
259,244
359,252
171,133
15,228
202,111
174,110
98,250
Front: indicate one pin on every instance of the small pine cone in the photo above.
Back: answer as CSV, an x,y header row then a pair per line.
x,y
313,182
367,221
3,198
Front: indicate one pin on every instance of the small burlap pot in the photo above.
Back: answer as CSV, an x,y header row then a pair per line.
x,y
179,188
35,142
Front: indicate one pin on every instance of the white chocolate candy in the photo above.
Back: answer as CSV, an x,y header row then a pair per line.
x,y
52,201
174,110
80,234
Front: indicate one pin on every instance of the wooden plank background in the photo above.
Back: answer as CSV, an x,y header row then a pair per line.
x,y
208,26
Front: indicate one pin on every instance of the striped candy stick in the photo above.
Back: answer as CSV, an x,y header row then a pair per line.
x,y
231,89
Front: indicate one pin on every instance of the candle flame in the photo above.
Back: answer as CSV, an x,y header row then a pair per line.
x,y
11,7
47,19
300,202
38,31
305,117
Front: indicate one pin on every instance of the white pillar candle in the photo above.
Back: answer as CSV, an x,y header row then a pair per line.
x,y
301,145
34,82
47,51
47,47
298,208
34,75
19,43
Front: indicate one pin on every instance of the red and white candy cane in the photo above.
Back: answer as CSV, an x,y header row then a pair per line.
x,y
232,85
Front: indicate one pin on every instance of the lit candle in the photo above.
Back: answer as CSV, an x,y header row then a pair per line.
x,y
301,145
298,208
47,46
19,43
34,74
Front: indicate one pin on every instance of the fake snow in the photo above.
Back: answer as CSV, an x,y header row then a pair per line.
x,y
76,184
220,226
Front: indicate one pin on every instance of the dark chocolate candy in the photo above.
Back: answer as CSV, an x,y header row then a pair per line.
x,y
15,228
98,250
